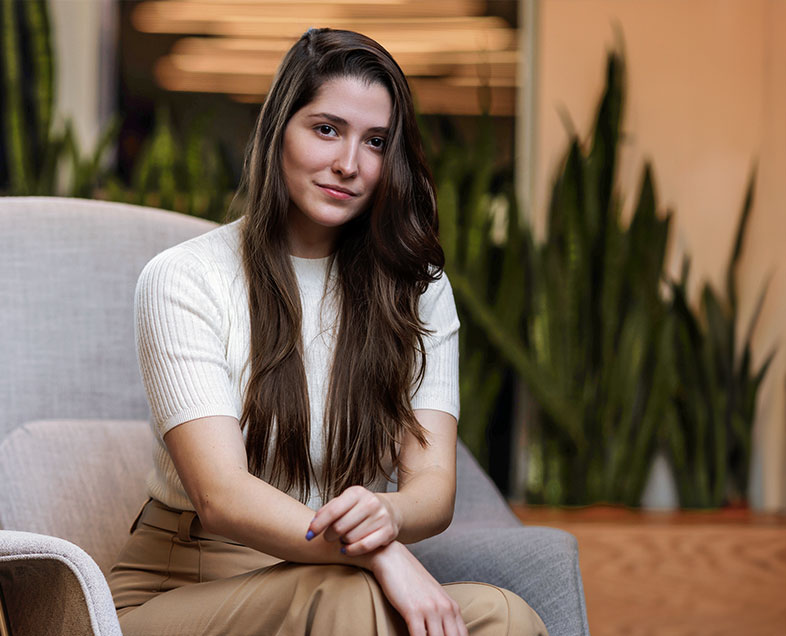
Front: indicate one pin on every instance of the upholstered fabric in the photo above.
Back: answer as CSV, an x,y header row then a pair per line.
x,y
77,480
52,587
541,565
68,268
478,502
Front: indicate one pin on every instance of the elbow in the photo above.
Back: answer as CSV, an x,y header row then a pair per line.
x,y
212,512
444,510
450,505
446,518
440,521
209,514
441,527
437,526
220,505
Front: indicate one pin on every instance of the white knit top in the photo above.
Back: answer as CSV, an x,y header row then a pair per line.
x,y
193,335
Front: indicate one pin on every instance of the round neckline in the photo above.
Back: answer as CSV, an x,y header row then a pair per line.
x,y
311,268
303,259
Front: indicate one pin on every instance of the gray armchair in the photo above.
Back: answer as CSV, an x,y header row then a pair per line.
x,y
75,445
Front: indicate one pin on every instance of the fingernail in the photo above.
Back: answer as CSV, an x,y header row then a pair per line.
x,y
310,535
343,550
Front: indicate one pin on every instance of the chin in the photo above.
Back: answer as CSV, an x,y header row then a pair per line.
x,y
333,220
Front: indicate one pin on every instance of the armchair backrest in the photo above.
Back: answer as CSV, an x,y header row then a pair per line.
x,y
74,445
68,269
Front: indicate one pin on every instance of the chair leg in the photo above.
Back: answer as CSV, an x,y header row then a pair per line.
x,y
5,628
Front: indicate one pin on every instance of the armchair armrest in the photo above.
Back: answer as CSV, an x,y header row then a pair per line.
x,y
486,542
541,565
51,586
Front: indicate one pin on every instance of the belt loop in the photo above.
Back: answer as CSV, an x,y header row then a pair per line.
x,y
184,525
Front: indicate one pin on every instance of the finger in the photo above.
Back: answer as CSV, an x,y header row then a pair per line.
x,y
457,619
447,611
369,543
449,627
331,511
363,529
355,517
459,626
434,625
415,626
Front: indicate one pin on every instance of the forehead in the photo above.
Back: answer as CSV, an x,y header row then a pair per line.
x,y
362,104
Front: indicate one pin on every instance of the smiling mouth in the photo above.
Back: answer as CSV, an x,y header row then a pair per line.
x,y
336,192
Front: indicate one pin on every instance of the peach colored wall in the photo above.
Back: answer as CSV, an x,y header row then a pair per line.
x,y
706,97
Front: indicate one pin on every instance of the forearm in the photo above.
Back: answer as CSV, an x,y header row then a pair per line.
x,y
210,456
254,513
423,504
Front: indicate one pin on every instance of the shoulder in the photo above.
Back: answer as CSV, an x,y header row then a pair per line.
x,y
196,278
198,259
439,293
437,306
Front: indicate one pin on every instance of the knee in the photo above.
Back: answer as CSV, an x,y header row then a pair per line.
x,y
349,597
344,584
488,610
522,619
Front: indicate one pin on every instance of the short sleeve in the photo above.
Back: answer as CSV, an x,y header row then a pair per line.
x,y
178,326
440,387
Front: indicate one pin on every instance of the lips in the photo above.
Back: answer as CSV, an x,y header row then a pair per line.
x,y
336,191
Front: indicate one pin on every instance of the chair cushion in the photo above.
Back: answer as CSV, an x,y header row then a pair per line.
x,y
80,480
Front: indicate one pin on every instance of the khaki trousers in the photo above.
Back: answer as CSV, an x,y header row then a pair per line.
x,y
178,580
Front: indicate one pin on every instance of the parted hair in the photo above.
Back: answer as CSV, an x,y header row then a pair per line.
x,y
384,259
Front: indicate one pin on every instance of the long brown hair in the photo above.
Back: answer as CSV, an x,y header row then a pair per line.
x,y
385,258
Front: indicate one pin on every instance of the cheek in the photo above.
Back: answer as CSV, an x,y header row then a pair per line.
x,y
375,171
297,157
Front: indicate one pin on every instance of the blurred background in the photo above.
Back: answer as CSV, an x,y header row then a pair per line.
x,y
612,184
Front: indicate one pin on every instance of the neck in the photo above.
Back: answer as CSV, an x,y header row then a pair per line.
x,y
312,242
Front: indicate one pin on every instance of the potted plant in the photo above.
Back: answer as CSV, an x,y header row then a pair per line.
x,y
617,368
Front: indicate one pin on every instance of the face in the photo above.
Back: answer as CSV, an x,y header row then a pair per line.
x,y
332,159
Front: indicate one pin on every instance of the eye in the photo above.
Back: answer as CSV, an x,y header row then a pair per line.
x,y
377,142
326,130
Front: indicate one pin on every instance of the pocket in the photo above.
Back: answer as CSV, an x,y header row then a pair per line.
x,y
138,516
142,567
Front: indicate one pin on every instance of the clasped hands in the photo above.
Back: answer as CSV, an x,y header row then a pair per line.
x,y
367,522
360,519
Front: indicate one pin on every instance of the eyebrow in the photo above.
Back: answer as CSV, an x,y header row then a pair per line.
x,y
335,119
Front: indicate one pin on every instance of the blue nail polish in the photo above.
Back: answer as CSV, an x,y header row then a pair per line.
x,y
343,550
310,535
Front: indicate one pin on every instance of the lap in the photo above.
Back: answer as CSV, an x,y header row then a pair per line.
x,y
165,586
281,599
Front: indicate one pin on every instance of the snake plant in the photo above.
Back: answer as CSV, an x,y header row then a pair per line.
x,y
617,367
709,440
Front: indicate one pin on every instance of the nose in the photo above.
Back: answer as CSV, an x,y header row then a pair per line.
x,y
345,163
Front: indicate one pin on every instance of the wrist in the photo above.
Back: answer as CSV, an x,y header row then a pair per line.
x,y
392,501
370,561
383,556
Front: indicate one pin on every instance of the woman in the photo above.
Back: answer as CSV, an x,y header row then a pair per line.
x,y
296,360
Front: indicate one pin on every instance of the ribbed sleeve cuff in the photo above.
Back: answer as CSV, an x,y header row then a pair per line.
x,y
203,410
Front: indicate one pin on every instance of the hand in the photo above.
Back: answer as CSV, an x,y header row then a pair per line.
x,y
416,595
361,519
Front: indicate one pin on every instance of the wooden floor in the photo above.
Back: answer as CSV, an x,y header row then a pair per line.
x,y
678,574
